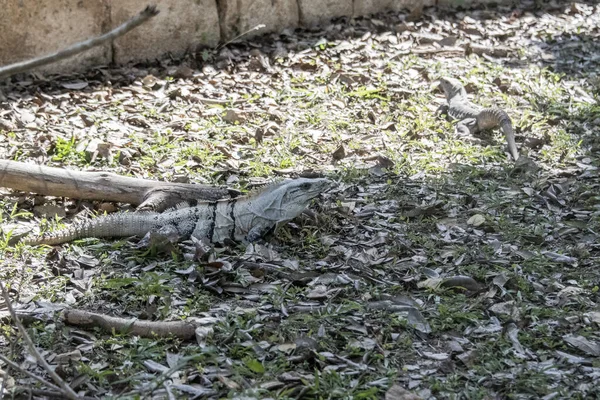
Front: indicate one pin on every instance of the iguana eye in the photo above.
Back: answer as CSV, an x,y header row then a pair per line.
x,y
305,186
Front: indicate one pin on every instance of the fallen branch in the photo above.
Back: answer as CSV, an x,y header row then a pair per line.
x,y
181,329
437,50
185,330
494,51
23,66
206,100
4,377
65,389
429,50
107,186
255,28
49,393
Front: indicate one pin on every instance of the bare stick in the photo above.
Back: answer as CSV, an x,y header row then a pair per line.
x,y
181,329
256,28
107,186
16,367
8,369
162,378
218,101
84,319
146,14
65,389
4,379
59,395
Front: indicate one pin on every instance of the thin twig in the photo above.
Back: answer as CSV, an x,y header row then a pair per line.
x,y
162,378
257,27
17,367
65,388
8,369
170,395
4,379
57,394
146,14
219,101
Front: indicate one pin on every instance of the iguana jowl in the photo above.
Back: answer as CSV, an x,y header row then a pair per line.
x,y
245,218
473,118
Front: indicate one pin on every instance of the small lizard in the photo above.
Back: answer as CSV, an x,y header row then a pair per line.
x,y
245,218
473,118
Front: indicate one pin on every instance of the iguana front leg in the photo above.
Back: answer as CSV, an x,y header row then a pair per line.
x,y
442,110
258,232
467,126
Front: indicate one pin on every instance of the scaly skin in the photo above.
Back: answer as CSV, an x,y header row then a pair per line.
x,y
473,118
245,218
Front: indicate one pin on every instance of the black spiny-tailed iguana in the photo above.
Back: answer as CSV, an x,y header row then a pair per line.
x,y
473,118
245,218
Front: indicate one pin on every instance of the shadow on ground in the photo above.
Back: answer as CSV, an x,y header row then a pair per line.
x,y
433,266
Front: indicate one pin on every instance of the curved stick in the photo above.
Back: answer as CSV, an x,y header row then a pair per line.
x,y
146,14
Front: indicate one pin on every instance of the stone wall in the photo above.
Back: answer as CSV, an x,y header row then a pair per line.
x,y
32,28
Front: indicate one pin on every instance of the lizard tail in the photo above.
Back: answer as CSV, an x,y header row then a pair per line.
x,y
505,123
115,225
509,132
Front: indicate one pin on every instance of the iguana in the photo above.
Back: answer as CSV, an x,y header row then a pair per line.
x,y
473,118
245,218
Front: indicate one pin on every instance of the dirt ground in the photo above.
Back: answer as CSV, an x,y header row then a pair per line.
x,y
435,269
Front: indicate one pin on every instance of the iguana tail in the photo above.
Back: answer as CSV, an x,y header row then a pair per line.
x,y
115,225
509,132
493,117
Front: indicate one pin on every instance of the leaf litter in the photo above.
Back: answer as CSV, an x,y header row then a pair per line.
x,y
434,270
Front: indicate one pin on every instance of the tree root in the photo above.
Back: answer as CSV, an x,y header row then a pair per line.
x,y
107,186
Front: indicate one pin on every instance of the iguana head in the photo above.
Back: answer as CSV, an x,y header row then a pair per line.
x,y
452,87
287,199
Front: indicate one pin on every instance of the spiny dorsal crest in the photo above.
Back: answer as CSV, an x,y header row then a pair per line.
x,y
255,191
266,186
183,204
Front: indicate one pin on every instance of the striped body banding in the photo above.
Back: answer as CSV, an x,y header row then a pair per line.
x,y
238,219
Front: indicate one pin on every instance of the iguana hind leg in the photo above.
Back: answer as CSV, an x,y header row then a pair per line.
x,y
468,131
466,127
161,238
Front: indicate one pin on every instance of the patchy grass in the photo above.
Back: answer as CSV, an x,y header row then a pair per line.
x,y
357,301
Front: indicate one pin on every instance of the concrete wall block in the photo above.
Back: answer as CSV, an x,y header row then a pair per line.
x,y
180,26
238,16
314,12
366,7
32,28
471,3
